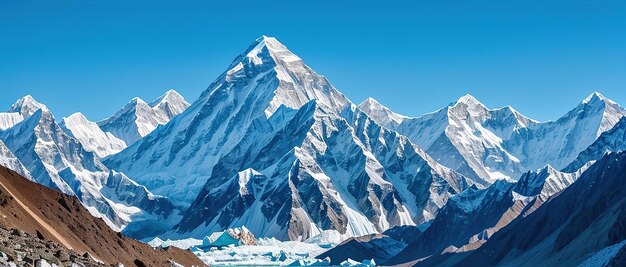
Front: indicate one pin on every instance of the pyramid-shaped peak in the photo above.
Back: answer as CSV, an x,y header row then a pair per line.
x,y
469,100
169,96
598,101
136,100
26,106
595,97
270,42
171,93
370,102
380,113
266,45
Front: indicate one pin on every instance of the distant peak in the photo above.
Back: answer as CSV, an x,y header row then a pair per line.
x,y
136,100
171,92
77,115
519,116
75,118
469,100
369,102
380,113
595,96
26,106
276,50
170,96
27,98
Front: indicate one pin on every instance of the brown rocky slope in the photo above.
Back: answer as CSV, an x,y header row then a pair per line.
x,y
56,217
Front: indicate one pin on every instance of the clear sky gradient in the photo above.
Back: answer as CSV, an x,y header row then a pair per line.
x,y
413,56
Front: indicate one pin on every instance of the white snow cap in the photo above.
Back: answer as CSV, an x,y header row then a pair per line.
x,y
469,100
169,96
78,117
26,106
277,50
137,118
380,113
595,96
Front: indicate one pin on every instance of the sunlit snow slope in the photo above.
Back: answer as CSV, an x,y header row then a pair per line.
x,y
275,147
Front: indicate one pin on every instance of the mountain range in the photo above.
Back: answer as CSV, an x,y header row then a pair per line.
x,y
273,146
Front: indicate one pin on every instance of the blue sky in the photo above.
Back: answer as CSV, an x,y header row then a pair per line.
x,y
413,56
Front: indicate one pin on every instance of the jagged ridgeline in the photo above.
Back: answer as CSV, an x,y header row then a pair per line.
x,y
271,145
274,146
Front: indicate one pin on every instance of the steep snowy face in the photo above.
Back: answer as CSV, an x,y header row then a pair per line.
x,y
558,143
170,104
91,136
477,133
59,161
7,159
263,78
467,137
27,106
613,140
137,119
487,145
357,178
273,146
297,83
8,119
21,109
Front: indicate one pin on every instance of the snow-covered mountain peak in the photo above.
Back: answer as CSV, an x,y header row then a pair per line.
x,y
274,77
597,100
56,159
469,100
545,182
266,45
370,102
171,103
468,107
380,113
137,118
136,101
77,117
26,106
134,106
606,111
170,96
593,97
321,163
508,111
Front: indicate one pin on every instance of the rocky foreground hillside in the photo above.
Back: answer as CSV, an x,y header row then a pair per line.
x,y
40,223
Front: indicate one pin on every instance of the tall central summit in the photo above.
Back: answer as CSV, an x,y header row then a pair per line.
x,y
283,79
311,159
